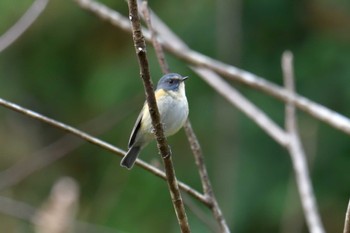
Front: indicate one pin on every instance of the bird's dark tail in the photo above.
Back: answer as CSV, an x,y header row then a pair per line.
x,y
130,157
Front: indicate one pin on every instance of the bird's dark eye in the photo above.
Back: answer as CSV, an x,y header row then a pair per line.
x,y
171,81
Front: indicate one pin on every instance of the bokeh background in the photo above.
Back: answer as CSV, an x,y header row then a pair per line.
x,y
76,68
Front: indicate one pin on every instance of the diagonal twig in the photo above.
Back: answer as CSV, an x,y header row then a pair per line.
x,y
33,12
297,153
347,220
62,126
60,148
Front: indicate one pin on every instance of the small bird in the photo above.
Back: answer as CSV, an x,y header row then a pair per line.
x,y
173,109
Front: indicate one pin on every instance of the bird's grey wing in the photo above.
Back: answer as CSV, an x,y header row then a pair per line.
x,y
135,130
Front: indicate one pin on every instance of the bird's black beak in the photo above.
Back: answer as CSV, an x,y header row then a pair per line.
x,y
184,78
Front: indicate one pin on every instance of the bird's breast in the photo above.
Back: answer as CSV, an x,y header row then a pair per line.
x,y
173,110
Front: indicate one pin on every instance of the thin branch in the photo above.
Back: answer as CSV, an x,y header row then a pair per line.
x,y
22,24
61,126
297,153
61,147
98,142
316,110
191,136
140,47
347,220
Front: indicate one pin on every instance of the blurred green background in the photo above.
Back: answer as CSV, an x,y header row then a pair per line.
x,y
74,67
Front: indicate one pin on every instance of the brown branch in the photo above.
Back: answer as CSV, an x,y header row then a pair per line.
x,y
140,47
97,142
191,136
316,110
347,220
27,19
297,153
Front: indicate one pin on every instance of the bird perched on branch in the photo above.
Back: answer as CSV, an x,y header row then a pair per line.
x,y
173,109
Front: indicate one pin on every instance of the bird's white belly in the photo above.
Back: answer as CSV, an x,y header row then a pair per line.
x,y
173,112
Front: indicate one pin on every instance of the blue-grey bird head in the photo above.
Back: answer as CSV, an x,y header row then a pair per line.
x,y
171,82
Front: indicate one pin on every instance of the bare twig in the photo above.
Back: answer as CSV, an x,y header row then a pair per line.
x,y
140,47
60,147
316,110
22,24
297,154
347,220
61,126
98,142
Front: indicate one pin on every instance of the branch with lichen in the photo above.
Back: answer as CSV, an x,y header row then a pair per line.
x,y
191,136
140,48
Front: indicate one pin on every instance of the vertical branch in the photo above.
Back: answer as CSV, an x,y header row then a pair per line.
x,y
191,136
140,46
347,220
297,153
